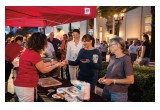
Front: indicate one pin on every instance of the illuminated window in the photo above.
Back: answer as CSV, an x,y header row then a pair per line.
x,y
100,34
147,28
148,19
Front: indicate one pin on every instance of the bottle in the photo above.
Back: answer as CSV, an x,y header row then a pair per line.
x,y
64,74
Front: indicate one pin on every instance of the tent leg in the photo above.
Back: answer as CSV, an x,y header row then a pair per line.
x,y
95,31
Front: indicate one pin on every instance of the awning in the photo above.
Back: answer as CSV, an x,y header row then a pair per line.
x,y
35,16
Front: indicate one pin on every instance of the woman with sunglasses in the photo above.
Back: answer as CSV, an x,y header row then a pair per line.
x,y
119,73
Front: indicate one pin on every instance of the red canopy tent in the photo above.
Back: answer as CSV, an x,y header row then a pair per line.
x,y
35,16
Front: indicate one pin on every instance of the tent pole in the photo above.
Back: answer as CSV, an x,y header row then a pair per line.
x,y
95,31
44,30
70,27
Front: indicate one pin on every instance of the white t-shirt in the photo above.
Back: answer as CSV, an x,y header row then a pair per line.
x,y
73,50
50,50
133,49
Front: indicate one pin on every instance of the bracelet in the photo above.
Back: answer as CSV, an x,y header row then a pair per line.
x,y
56,65
114,81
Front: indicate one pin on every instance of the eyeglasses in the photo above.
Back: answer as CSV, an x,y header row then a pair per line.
x,y
111,45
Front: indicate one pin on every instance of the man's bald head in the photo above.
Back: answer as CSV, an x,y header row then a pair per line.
x,y
51,35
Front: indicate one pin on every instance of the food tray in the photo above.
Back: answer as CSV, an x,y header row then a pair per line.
x,y
49,81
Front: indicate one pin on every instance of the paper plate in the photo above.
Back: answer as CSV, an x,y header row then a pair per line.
x,y
60,90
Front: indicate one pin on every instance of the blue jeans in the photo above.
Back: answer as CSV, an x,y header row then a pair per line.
x,y
145,61
114,96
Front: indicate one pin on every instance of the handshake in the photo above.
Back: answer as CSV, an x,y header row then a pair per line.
x,y
58,64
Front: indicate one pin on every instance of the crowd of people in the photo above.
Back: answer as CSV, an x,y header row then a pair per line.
x,y
80,59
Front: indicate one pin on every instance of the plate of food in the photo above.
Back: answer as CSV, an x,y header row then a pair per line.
x,y
58,96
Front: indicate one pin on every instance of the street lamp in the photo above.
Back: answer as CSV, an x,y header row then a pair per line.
x,y
117,19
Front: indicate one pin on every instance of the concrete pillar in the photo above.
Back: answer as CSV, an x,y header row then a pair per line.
x,y
95,30
113,26
83,28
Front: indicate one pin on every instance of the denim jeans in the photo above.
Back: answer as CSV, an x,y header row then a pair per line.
x,y
114,96
145,61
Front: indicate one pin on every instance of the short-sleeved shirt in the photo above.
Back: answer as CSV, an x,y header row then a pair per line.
x,y
119,68
133,49
50,49
148,49
104,48
27,75
56,43
12,50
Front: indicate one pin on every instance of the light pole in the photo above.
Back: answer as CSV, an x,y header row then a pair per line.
x,y
117,19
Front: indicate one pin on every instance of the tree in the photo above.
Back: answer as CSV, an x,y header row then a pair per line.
x,y
108,11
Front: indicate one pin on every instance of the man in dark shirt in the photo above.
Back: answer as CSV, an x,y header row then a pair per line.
x,y
56,43
145,54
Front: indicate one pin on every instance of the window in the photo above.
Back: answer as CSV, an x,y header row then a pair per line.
x,y
148,21
148,28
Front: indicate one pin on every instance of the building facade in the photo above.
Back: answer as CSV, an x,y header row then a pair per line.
x,y
135,23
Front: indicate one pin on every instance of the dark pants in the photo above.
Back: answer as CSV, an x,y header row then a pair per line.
x,y
104,56
66,73
133,57
8,68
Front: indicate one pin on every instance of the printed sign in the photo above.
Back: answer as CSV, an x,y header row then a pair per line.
x,y
87,11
